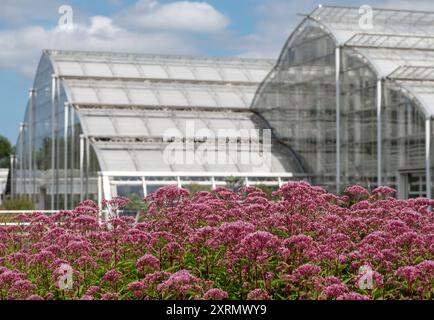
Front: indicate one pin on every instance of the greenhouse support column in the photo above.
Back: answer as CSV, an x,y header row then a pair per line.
x,y
100,195
53,136
72,151
57,142
12,169
87,144
246,181
379,132
65,156
106,193
338,117
22,174
428,157
81,167
145,189
32,182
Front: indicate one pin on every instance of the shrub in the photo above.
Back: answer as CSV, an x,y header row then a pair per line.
x,y
305,244
17,204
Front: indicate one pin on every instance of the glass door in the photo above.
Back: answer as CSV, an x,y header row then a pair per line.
x,y
416,185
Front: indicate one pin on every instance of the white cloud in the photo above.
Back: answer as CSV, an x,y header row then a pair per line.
x,y
276,21
187,16
147,27
21,48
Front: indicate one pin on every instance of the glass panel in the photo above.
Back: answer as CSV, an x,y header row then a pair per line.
x,y
125,70
143,97
113,96
128,179
130,191
208,73
298,100
150,160
98,126
233,74
97,69
129,126
416,185
152,188
202,99
159,126
116,160
403,137
258,74
154,72
84,95
173,98
180,72
230,99
70,68
359,122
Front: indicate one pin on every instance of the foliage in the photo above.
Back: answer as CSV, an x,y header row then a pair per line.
x,y
234,183
22,203
306,244
5,152
194,188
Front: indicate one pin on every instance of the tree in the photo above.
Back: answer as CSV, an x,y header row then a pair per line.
x,y
5,152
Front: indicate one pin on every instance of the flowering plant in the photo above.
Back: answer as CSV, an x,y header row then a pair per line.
x,y
303,244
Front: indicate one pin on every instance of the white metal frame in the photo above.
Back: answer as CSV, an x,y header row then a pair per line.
x,y
338,117
175,178
379,132
428,157
322,16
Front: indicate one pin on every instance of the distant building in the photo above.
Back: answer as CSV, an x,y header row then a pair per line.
x,y
354,98
3,179
96,123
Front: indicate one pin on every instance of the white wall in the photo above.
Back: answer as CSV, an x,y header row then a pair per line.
x,y
3,179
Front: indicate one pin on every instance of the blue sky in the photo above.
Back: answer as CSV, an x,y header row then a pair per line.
x,y
246,28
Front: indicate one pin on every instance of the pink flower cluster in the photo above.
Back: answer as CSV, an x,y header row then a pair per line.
x,y
304,243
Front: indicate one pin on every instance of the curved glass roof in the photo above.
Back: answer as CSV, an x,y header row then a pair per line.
x,y
133,140
344,21
128,105
151,157
158,67
158,94
400,44
154,123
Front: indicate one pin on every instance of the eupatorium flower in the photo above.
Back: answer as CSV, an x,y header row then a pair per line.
x,y
304,243
215,294
148,260
259,294
112,276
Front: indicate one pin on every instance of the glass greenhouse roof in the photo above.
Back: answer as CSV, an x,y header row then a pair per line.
x,y
150,157
344,19
400,44
158,67
128,103
155,123
159,94
114,134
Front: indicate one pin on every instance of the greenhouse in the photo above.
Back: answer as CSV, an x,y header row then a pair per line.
x,y
345,104
356,104
96,126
